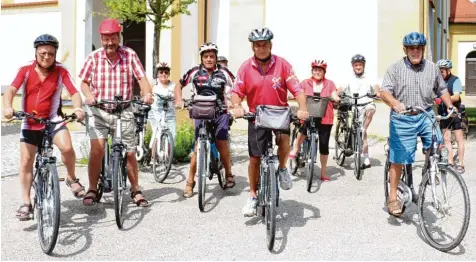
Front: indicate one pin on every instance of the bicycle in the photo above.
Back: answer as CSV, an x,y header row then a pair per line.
x,y
113,176
46,201
430,180
162,144
140,118
208,158
307,153
348,139
268,188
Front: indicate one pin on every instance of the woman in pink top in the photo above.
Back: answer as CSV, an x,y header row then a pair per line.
x,y
318,85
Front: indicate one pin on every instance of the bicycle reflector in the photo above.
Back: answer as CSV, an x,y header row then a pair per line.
x,y
444,155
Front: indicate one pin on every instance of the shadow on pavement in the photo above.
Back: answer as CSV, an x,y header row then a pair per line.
x,y
217,193
291,214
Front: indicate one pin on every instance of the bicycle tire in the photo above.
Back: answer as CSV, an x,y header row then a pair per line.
x,y
100,186
339,146
202,176
117,178
358,171
310,163
51,188
294,163
271,206
467,208
220,174
161,176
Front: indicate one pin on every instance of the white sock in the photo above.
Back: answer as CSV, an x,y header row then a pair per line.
x,y
366,155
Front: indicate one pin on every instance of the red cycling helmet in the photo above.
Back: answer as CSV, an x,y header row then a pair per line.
x,y
319,63
109,26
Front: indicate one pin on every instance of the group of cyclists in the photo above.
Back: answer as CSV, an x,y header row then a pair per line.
x,y
263,79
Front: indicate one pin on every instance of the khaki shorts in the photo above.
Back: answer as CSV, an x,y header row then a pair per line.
x,y
101,123
364,110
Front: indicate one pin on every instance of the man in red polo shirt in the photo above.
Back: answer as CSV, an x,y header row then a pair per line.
x,y
42,83
265,80
107,72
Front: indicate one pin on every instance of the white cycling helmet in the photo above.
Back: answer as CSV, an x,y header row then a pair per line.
x,y
209,46
444,63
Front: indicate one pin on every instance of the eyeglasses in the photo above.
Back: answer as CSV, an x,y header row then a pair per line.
x,y
43,54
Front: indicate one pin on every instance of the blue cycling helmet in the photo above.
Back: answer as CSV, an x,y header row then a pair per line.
x,y
414,39
444,63
46,39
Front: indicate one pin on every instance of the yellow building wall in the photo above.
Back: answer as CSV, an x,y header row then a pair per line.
x,y
394,22
459,33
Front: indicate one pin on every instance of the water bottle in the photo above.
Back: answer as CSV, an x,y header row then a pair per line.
x,y
214,151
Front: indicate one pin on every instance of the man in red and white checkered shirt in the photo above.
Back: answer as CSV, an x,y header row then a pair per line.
x,y
107,72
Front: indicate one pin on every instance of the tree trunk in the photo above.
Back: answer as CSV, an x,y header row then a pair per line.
x,y
156,52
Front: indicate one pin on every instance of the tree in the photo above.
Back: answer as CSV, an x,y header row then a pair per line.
x,y
159,13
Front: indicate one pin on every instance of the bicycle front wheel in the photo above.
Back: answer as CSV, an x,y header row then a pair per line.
x,y
294,163
439,204
118,186
163,156
49,211
271,206
340,142
202,173
310,161
358,171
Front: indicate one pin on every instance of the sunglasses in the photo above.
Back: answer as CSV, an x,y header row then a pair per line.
x,y
43,54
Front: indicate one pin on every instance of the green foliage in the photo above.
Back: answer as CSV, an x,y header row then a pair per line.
x,y
183,142
147,136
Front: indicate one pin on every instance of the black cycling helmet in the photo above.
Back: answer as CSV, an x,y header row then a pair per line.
x,y
46,39
357,58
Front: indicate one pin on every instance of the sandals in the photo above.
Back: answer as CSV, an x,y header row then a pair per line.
x,y
459,169
24,212
394,209
141,202
78,190
93,195
188,192
230,181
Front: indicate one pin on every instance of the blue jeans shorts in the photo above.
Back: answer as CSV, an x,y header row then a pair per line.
x,y
404,130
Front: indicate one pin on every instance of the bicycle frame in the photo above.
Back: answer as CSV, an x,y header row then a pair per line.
x,y
266,160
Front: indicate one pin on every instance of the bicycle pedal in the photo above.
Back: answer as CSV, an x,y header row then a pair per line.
x,y
61,179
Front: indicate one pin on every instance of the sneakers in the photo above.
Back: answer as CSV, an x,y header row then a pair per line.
x,y
367,162
285,179
249,210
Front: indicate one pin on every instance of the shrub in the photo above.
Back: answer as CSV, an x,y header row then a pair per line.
x,y
183,142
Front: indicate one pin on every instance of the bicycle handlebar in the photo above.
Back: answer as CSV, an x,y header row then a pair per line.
x,y
21,114
343,95
413,109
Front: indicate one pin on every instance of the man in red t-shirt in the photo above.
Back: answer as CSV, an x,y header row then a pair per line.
x,y
265,79
42,82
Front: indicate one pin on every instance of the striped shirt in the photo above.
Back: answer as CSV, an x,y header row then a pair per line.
x,y
107,79
42,97
414,86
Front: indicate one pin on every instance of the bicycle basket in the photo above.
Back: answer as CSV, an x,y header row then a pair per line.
x,y
204,107
317,107
273,117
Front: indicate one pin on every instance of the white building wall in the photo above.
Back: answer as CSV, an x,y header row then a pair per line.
x,y
463,50
189,36
324,30
25,25
219,27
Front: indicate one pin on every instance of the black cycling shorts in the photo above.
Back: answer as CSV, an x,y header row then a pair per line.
x,y
258,139
453,123
35,137
323,132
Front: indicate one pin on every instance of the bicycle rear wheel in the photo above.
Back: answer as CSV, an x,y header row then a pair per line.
x,y
294,163
202,173
311,159
118,186
434,216
49,211
271,206
340,142
163,156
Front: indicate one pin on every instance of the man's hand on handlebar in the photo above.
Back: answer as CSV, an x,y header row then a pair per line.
x,y
147,99
303,115
90,101
238,112
179,103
